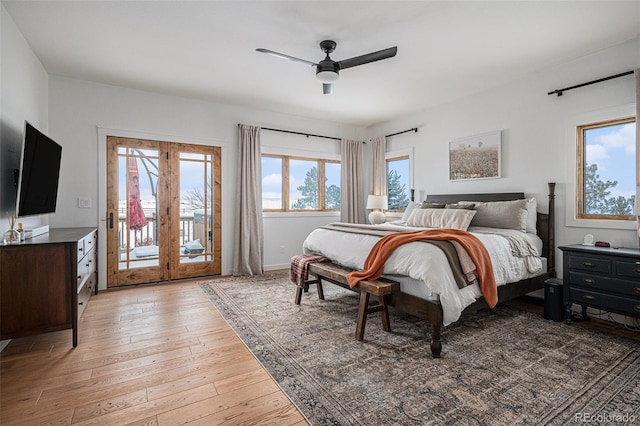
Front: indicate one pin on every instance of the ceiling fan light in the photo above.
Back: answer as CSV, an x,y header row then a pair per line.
x,y
327,76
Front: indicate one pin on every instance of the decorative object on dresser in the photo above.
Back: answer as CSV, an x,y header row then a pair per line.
x,y
46,282
605,278
378,204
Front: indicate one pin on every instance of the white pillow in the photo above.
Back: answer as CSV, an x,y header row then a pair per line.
x,y
407,212
441,218
501,214
532,215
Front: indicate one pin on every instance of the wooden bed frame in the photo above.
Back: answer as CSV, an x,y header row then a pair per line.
x,y
432,310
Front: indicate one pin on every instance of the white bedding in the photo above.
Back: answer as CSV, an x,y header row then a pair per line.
x,y
426,264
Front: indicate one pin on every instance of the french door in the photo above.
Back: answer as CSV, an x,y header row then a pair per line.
x,y
163,211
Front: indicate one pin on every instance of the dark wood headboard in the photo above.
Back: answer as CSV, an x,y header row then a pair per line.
x,y
545,224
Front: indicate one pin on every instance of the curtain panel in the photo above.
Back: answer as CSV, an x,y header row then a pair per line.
x,y
351,182
248,257
379,167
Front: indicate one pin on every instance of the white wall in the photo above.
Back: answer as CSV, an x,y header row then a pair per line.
x,y
80,111
538,134
23,89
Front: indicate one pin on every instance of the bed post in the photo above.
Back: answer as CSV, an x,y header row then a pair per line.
x,y
551,264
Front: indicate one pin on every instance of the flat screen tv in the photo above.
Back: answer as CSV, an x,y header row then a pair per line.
x,y
39,173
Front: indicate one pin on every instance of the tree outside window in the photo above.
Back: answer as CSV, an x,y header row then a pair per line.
x,y
293,184
398,183
606,169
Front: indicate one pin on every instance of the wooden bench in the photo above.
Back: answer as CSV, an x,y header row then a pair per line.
x,y
338,275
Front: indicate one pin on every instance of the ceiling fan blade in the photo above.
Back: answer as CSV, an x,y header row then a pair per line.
x,y
283,56
369,57
327,88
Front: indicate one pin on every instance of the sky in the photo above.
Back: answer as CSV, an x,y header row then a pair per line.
x,y
613,149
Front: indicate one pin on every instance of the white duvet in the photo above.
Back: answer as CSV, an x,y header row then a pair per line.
x,y
426,264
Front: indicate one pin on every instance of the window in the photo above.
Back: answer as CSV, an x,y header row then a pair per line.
x,y
398,182
606,169
292,184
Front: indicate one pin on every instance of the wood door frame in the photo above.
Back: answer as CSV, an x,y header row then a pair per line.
x,y
146,274
179,270
169,266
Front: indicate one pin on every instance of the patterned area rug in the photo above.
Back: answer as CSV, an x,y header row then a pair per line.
x,y
503,366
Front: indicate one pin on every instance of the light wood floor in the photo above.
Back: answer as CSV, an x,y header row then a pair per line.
x,y
151,355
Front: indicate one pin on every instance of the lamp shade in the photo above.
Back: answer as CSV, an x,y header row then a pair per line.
x,y
377,202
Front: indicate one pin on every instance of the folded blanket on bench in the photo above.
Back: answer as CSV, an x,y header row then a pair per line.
x,y
299,271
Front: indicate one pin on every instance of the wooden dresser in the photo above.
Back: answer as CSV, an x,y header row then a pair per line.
x,y
602,278
46,282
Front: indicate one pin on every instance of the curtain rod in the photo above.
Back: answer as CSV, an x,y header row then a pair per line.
x,y
611,77
415,129
301,133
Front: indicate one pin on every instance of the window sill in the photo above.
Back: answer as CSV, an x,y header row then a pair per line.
x,y
289,215
602,224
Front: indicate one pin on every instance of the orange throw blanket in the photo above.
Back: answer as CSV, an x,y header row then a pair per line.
x,y
374,264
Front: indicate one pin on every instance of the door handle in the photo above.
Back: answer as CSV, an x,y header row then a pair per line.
x,y
111,220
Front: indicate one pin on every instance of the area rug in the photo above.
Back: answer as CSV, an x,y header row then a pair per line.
x,y
499,367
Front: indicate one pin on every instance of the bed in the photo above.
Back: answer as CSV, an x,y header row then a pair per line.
x,y
434,299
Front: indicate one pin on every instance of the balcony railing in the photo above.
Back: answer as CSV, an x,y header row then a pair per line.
x,y
189,231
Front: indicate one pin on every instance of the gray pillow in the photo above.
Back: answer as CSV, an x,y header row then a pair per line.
x,y
501,214
465,206
428,205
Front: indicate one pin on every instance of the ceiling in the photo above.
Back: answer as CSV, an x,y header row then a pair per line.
x,y
207,49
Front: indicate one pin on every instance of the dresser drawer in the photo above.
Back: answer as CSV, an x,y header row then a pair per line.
x,y
86,244
592,264
606,284
629,270
84,294
622,305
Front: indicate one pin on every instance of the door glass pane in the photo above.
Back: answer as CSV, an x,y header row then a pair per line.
x,y
196,208
137,203
303,185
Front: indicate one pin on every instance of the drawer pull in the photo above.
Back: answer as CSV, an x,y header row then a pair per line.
x,y
637,308
588,264
80,303
589,297
637,290
589,281
637,270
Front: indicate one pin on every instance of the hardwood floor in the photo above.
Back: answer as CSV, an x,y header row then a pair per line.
x,y
151,355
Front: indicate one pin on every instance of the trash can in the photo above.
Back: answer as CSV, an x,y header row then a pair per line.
x,y
553,300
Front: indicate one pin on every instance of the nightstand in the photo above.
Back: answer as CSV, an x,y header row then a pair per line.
x,y
601,277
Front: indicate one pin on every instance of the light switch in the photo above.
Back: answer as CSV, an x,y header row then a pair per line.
x,y
84,203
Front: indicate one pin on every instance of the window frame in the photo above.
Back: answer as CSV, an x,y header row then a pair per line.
x,y
580,169
321,162
400,155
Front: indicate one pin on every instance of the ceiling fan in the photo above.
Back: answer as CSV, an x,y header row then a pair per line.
x,y
328,70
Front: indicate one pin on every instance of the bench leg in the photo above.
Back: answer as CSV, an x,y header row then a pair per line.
x,y
298,295
386,325
319,288
362,315
305,288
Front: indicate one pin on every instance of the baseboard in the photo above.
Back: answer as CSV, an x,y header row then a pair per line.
x,y
276,266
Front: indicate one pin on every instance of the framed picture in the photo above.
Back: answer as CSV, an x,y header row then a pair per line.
x,y
475,157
